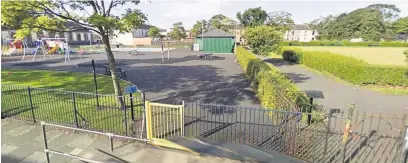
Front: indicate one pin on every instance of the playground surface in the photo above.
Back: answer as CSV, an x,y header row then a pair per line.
x,y
183,77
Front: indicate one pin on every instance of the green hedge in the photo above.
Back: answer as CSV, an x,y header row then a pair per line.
x,y
351,69
346,43
274,89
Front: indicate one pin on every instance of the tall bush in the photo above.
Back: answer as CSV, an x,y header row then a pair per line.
x,y
274,89
263,39
351,69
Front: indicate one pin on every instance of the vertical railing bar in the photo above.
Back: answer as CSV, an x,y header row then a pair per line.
x,y
31,104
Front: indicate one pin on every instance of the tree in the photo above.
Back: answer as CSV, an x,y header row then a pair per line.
x,y
263,39
198,26
280,19
220,22
252,17
401,25
66,16
178,32
388,12
367,23
154,32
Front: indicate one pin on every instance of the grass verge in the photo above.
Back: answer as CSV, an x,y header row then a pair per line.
x,y
383,89
50,101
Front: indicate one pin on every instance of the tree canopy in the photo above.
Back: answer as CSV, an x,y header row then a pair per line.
x,y
154,32
220,22
370,23
280,19
198,26
263,39
177,32
401,25
64,16
252,17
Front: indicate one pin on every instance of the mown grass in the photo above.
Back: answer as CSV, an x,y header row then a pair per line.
x,y
372,55
52,102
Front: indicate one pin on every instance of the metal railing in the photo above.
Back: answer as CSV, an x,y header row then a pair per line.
x,y
353,136
371,138
121,115
47,151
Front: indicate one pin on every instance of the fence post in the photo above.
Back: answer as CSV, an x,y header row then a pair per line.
x,y
326,141
346,132
31,104
124,109
75,111
131,107
143,115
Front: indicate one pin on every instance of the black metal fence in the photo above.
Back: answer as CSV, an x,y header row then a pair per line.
x,y
371,138
353,136
107,113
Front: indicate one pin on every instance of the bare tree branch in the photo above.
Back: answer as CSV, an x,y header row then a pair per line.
x,y
103,7
45,8
111,5
93,6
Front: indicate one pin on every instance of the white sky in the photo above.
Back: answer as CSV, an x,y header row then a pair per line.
x,y
163,13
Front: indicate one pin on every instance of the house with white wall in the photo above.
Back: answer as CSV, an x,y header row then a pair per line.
x,y
301,33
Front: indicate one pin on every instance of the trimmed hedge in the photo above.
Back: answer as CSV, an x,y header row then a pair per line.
x,y
274,89
347,43
351,69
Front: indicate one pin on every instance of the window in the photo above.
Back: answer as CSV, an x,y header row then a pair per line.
x,y
86,37
313,33
305,33
312,39
292,39
293,32
298,38
70,36
78,37
287,39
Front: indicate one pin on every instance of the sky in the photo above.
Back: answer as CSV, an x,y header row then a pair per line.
x,y
163,13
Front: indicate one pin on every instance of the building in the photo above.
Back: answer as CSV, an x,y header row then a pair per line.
x,y
301,33
80,37
216,41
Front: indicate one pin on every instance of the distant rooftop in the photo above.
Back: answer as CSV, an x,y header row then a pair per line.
x,y
216,33
300,27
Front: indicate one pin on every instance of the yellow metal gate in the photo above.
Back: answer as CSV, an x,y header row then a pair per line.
x,y
164,121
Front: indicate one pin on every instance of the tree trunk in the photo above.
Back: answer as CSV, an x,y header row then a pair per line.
x,y
112,66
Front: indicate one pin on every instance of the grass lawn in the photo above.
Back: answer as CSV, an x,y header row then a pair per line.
x,y
52,103
372,55
387,90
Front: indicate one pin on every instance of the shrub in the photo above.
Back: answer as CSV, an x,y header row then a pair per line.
x,y
292,56
406,56
353,70
274,89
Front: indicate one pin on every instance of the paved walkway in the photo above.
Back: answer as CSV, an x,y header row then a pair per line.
x,y
22,142
338,95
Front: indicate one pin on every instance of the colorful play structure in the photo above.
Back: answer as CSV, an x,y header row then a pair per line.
x,y
14,47
51,46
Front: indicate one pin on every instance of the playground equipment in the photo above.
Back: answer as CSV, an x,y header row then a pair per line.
x,y
14,46
51,46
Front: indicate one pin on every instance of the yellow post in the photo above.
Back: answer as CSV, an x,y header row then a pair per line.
x,y
148,113
182,119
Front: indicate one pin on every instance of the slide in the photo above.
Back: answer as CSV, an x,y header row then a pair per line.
x,y
52,51
10,51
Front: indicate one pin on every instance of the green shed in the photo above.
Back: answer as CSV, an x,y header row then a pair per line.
x,y
216,41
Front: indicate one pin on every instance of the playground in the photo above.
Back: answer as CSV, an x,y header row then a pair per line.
x,y
182,75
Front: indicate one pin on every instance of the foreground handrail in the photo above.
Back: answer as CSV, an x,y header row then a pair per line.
x,y
110,135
